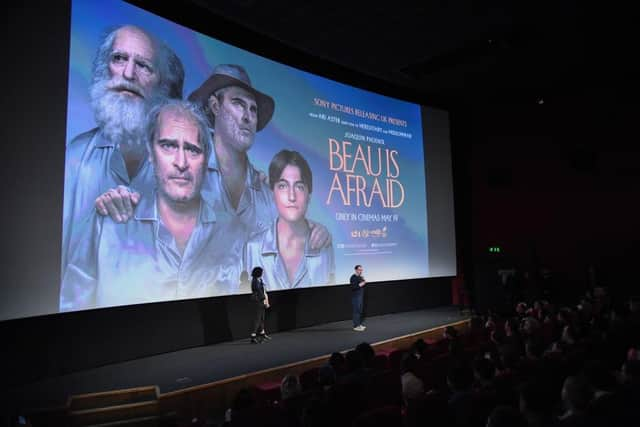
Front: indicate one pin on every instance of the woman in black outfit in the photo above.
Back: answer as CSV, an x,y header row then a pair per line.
x,y
261,300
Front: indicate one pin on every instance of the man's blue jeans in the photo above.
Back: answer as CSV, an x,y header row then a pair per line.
x,y
356,304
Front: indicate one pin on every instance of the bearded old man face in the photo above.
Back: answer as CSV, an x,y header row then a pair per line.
x,y
125,85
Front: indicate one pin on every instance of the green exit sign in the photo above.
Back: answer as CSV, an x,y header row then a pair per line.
x,y
495,249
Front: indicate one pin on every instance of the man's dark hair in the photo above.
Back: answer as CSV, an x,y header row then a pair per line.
x,y
357,266
290,158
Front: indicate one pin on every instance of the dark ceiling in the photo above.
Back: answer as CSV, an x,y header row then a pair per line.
x,y
456,49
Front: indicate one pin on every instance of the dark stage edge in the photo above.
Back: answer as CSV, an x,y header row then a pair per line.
x,y
206,364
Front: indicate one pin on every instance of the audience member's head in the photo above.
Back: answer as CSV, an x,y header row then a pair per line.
x,y
586,309
367,353
409,362
419,348
483,370
450,333
337,362
241,406
290,386
564,316
530,326
353,361
534,349
326,376
511,327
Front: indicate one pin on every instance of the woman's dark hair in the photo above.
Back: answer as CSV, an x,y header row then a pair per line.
x,y
256,272
285,158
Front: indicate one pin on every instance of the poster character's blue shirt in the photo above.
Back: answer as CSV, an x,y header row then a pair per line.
x,y
316,268
93,165
139,261
256,210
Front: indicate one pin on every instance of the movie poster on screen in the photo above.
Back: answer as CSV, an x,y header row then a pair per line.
x,y
364,150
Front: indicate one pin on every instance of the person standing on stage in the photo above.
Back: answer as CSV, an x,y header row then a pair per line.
x,y
357,295
261,300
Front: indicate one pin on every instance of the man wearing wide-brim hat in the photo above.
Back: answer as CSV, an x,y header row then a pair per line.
x,y
236,111
228,75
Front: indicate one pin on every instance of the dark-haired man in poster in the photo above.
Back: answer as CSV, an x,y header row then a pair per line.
x,y
131,71
283,249
174,247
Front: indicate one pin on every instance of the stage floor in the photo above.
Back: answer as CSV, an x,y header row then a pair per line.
x,y
201,365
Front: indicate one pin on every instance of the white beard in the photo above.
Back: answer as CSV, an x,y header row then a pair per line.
x,y
120,117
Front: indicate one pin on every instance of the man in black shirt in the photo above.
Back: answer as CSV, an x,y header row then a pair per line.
x,y
357,293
